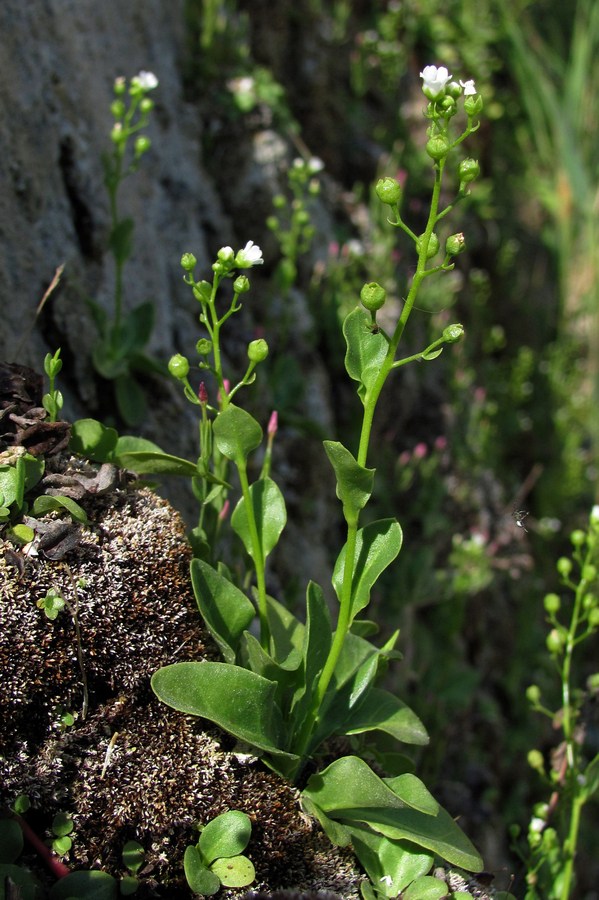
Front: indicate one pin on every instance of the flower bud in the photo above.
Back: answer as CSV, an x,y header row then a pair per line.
x,y
437,147
117,108
204,347
241,284
373,296
202,291
146,105
178,366
578,537
120,86
473,105
388,190
535,760
554,641
433,245
455,244
533,694
551,603
453,333
564,566
226,255
188,262
468,170
594,618
589,572
142,144
257,350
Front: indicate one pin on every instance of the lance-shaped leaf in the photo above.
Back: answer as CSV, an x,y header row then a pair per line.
x,y
383,711
354,482
269,513
315,649
366,350
237,700
226,611
377,546
236,433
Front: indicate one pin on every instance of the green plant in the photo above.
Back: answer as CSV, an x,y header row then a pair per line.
x,y
573,778
119,353
290,223
217,859
53,400
295,685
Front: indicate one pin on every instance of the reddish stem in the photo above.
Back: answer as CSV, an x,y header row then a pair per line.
x,y
58,868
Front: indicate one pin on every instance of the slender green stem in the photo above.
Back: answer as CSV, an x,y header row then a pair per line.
x,y
570,847
257,554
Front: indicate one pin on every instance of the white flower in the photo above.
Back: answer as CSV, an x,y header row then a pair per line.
x,y
251,255
146,80
434,80
469,88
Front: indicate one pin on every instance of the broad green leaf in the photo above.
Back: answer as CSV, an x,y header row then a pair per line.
x,y
269,513
383,711
93,440
237,700
46,503
377,546
349,783
199,878
354,482
236,872
226,611
226,835
438,833
85,885
350,791
366,350
400,861
236,433
427,887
